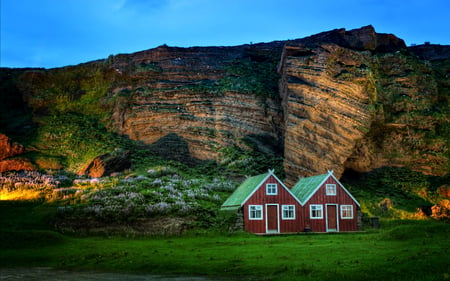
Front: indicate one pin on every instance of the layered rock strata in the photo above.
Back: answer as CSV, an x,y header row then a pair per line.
x,y
182,106
361,100
325,114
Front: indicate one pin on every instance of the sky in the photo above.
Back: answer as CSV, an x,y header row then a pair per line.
x,y
56,33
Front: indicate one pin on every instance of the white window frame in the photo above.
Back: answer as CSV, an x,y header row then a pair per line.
x,y
256,208
330,187
288,209
319,207
350,209
271,189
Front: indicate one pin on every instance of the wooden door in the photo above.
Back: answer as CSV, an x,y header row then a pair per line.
x,y
332,218
272,218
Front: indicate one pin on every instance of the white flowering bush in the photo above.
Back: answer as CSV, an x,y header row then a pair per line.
x,y
162,192
29,180
29,185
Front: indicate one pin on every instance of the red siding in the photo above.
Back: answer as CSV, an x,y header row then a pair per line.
x,y
341,198
282,198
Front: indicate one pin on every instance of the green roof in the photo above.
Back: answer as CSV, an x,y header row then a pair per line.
x,y
305,187
236,199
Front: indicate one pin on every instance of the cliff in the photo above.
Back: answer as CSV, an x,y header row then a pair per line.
x,y
333,101
188,103
361,100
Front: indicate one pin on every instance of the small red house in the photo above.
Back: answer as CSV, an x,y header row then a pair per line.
x,y
318,204
327,204
267,205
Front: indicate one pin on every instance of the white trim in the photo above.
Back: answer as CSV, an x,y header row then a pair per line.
x,y
287,207
254,190
279,182
351,210
278,219
345,189
330,173
315,190
332,186
337,218
285,187
260,207
272,185
310,211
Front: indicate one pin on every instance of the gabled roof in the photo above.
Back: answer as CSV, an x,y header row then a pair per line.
x,y
240,195
302,191
305,188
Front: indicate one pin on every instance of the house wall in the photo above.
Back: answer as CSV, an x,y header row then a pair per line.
x,y
282,198
341,198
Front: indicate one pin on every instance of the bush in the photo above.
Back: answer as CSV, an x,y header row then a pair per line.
x,y
408,230
140,197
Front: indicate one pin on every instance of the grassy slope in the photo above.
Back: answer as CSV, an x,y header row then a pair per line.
x,y
404,191
406,250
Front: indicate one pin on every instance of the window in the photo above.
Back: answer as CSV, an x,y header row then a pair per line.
x,y
288,212
255,212
316,211
331,189
346,212
271,189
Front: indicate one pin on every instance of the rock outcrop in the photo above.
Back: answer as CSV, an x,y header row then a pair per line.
x,y
9,149
326,100
106,164
189,102
359,100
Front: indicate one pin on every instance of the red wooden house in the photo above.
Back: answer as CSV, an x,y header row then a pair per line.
x,y
267,205
318,204
327,204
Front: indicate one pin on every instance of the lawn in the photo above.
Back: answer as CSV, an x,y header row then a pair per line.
x,y
400,250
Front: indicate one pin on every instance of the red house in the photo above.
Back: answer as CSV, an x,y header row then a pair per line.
x,y
318,204
327,204
267,205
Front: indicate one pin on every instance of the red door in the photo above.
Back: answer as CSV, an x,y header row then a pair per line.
x,y
332,218
272,218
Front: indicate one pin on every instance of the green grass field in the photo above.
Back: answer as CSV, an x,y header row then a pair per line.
x,y
400,250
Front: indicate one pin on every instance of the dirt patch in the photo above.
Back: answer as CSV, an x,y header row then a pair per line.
x,y
50,274
149,226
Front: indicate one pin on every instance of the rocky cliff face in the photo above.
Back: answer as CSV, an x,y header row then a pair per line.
x,y
333,101
361,100
188,103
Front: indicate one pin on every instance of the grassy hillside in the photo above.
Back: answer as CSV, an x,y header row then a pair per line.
x,y
399,193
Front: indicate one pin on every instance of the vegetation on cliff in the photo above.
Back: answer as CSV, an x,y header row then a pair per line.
x,y
413,98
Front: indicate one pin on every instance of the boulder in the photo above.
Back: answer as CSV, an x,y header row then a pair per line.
x,y
8,148
364,38
16,164
104,165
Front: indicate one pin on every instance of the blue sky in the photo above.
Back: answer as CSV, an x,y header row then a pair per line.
x,y
54,33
